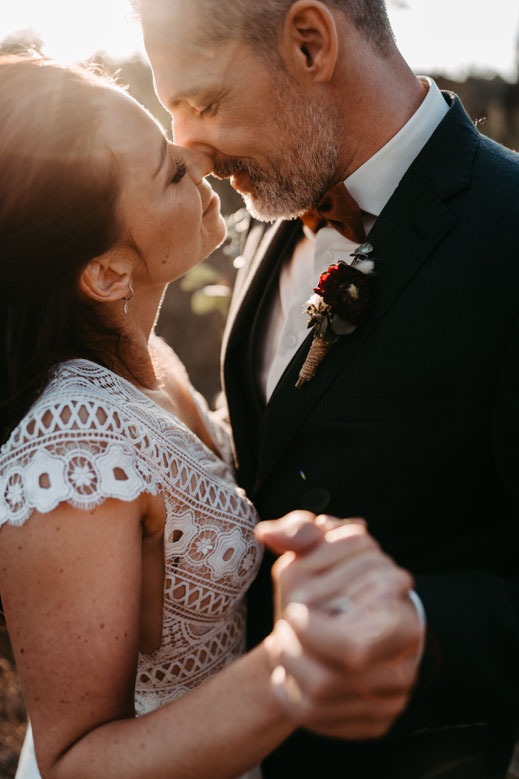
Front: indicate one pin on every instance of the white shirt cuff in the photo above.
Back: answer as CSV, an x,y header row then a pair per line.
x,y
417,603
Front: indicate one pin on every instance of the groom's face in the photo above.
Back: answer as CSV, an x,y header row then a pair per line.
x,y
278,148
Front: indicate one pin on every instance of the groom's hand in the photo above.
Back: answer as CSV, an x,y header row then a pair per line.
x,y
327,558
297,532
346,649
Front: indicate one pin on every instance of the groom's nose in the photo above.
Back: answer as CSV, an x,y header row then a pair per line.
x,y
188,133
199,163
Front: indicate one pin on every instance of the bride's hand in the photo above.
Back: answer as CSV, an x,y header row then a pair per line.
x,y
346,645
317,563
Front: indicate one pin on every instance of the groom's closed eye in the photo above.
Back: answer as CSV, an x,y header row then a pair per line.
x,y
206,103
209,110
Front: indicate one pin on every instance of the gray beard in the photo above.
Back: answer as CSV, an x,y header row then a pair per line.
x,y
297,176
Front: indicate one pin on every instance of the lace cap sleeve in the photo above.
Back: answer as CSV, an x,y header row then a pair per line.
x,y
77,446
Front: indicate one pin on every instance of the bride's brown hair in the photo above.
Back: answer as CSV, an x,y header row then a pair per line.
x,y
58,209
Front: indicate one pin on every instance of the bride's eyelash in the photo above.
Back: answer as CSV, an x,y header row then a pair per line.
x,y
180,172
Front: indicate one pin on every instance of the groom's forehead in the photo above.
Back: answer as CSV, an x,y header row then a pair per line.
x,y
186,69
182,21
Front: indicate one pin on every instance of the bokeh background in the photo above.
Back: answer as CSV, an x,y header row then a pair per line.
x,y
469,46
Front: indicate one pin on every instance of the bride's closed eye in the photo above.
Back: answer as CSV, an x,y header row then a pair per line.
x,y
180,172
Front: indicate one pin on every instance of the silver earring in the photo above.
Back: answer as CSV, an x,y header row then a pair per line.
x,y
127,300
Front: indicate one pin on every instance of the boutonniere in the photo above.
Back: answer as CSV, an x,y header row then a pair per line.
x,y
342,299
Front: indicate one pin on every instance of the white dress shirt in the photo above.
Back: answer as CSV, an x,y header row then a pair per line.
x,y
371,186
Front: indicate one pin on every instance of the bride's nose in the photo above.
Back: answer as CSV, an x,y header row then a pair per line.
x,y
199,164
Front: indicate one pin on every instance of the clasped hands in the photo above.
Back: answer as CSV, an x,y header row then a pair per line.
x,y
347,639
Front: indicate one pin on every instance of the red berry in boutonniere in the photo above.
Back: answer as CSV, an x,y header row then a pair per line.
x,y
343,298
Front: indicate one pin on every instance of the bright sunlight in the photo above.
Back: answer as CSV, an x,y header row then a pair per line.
x,y
74,30
452,36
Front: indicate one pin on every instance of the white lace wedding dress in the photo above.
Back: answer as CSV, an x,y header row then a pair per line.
x,y
91,436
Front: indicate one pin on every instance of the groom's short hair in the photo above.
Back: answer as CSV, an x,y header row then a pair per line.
x,y
258,22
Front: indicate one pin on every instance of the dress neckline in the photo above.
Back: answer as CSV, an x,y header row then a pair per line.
x,y
153,404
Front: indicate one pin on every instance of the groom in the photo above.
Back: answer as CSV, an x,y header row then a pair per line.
x,y
411,419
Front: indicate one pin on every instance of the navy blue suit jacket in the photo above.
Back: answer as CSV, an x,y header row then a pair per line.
x,y
413,423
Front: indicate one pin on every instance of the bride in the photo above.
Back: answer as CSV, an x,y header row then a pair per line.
x,y
126,545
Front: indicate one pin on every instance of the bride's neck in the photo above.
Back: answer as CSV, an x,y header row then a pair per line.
x,y
126,346
138,363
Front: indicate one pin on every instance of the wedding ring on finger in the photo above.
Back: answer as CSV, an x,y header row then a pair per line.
x,y
339,605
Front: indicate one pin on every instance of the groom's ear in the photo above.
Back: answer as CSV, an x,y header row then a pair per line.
x,y
309,42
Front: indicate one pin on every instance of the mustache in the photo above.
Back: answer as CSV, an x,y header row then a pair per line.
x,y
224,169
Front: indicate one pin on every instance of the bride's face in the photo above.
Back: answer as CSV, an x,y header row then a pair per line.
x,y
168,211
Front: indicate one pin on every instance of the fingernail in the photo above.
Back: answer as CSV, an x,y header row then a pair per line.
x,y
296,614
278,676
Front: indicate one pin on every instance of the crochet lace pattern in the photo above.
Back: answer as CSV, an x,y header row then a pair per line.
x,y
92,436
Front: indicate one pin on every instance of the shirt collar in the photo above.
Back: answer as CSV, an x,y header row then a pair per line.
x,y
375,181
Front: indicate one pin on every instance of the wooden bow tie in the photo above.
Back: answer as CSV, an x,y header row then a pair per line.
x,y
337,209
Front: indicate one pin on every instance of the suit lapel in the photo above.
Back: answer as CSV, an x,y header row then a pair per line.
x,y
412,225
268,247
262,251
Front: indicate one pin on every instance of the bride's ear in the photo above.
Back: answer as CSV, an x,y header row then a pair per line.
x,y
106,278
309,43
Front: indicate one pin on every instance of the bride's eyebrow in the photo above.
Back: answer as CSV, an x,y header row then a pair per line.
x,y
163,155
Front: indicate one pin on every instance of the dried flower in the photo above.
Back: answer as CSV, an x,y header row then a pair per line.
x,y
342,299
